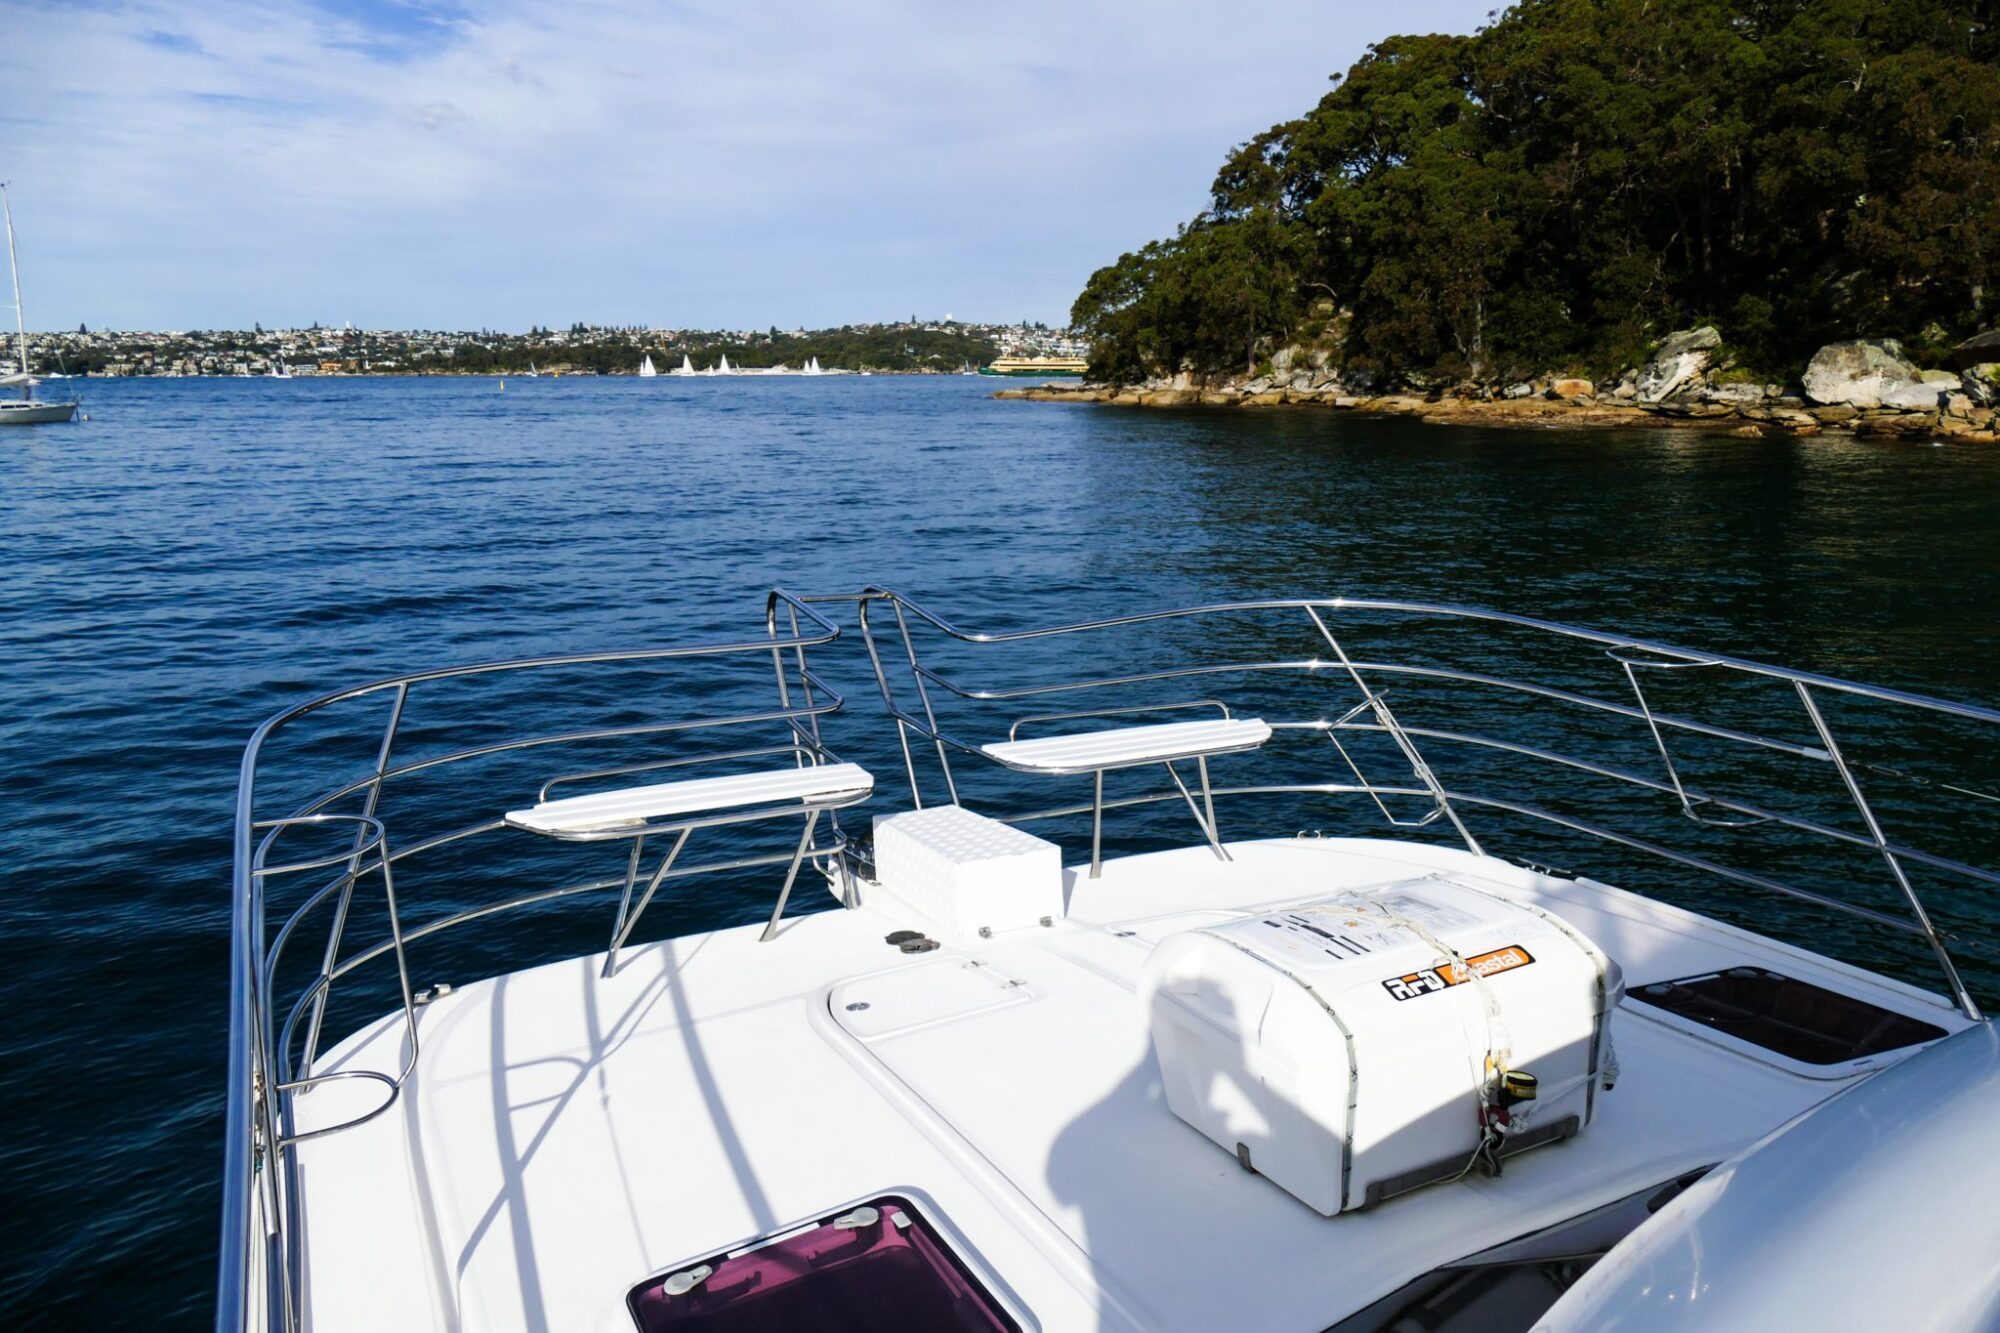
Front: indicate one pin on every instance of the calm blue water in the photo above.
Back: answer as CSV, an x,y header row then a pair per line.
x,y
200,554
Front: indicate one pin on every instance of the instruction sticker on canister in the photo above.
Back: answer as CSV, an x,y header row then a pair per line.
x,y
1429,980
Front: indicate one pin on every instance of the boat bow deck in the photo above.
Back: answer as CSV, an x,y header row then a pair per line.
x,y
566,1135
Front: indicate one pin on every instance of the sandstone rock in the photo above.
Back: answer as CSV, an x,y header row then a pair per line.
x,y
1218,398
1869,374
1958,405
1520,390
1264,398
1678,362
1346,400
1690,407
1834,415
1748,432
1259,385
1895,423
1281,360
1570,390
1982,383
1735,395
1979,349
1626,389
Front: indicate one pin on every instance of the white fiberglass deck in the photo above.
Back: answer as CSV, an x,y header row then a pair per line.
x,y
565,1136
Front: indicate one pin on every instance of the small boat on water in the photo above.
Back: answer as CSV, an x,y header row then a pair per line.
x,y
646,368
686,366
812,368
279,370
27,410
1397,1074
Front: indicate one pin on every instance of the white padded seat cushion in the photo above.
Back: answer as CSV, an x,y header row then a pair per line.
x,y
1121,747
633,805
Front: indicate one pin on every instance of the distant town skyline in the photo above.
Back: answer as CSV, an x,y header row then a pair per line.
x,y
432,164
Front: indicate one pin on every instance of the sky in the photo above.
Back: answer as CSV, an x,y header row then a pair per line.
x,y
698,164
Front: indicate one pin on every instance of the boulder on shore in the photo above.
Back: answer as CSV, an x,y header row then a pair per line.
x,y
1982,383
1979,349
1570,389
1677,363
1872,373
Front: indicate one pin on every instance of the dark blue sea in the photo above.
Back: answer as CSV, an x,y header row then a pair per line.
x,y
201,554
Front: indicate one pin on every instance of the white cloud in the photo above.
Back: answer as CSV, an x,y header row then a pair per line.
x,y
698,164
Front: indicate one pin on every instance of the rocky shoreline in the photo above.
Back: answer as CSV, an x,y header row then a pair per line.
x,y
1866,388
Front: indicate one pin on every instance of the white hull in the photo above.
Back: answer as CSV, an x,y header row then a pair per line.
x,y
36,413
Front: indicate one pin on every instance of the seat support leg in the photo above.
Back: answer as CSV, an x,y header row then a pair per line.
x,y
631,879
1097,825
791,873
652,887
1207,824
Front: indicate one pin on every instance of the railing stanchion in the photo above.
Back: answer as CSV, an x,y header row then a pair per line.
x,y
1968,1005
1418,765
370,804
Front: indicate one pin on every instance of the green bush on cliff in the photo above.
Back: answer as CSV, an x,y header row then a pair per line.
x,y
1582,175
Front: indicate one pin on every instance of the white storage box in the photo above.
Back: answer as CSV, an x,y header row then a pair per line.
x,y
1339,1048
967,872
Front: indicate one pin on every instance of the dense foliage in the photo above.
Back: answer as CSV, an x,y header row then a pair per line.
x,y
1567,184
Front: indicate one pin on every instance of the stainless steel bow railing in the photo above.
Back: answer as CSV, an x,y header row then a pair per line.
x,y
272,1055
915,708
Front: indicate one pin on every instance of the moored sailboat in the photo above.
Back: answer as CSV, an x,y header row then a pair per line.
x,y
646,368
27,410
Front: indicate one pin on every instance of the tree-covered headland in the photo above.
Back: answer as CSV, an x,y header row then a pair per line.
x,y
1559,189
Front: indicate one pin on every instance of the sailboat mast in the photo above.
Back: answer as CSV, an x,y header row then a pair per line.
x,y
14,269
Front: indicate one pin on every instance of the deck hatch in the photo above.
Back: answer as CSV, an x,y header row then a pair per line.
x,y
1793,1018
869,1266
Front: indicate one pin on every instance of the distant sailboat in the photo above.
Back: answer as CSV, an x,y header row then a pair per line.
x,y
687,366
812,368
723,369
279,370
532,374
28,410
646,370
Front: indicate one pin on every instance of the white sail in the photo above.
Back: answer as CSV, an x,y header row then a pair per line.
x,y
28,410
646,370
687,366
723,368
14,272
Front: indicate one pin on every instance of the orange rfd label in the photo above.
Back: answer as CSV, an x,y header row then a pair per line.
x,y
1433,979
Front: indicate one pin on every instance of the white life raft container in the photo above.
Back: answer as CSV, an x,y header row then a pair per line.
x,y
1361,1046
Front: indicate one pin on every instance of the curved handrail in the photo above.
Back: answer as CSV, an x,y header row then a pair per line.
x,y
1470,613
257,1114
1628,651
